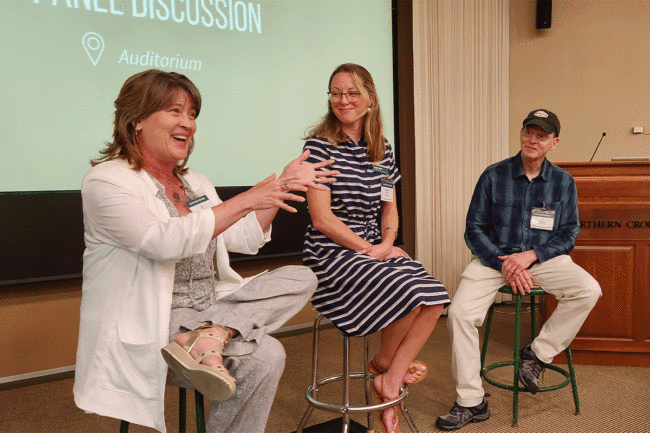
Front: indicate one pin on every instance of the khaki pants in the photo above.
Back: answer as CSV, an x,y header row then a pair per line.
x,y
575,290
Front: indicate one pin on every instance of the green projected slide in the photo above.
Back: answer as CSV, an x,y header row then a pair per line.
x,y
262,68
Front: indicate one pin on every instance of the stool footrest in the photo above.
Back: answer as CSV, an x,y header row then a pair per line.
x,y
502,385
310,395
346,408
515,388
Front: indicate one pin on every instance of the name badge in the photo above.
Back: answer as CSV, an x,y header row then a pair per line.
x,y
542,218
381,169
199,203
386,191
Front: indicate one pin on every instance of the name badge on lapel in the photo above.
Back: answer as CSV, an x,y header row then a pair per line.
x,y
199,203
381,169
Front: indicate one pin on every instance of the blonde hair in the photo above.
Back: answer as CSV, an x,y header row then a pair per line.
x,y
330,127
142,95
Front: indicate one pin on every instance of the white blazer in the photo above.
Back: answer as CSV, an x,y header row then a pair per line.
x,y
132,246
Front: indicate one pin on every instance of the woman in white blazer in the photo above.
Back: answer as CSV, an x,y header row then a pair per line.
x,y
158,289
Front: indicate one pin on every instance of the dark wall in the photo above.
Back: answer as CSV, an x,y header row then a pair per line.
x,y
405,117
42,235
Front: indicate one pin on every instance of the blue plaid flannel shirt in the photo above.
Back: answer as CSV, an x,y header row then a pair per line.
x,y
498,219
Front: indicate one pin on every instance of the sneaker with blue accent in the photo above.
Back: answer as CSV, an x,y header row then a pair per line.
x,y
531,367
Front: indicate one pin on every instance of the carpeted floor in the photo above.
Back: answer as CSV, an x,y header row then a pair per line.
x,y
612,399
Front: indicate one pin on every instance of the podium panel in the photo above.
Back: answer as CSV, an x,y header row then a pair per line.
x,y
614,247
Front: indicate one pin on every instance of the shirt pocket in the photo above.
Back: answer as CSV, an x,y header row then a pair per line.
x,y
505,210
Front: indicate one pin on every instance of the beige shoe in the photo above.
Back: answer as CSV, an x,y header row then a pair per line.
x,y
213,382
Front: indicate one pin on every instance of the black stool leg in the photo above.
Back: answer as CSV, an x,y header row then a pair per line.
x,y
200,412
314,372
182,413
182,410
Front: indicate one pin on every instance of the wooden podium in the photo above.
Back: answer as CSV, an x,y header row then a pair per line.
x,y
614,247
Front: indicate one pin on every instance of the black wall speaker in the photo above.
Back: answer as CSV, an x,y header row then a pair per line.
x,y
544,8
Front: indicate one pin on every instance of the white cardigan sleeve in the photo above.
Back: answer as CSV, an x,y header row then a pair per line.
x,y
246,235
121,210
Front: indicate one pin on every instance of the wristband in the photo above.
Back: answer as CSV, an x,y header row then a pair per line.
x,y
390,228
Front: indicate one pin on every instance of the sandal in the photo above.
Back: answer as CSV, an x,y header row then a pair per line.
x,y
375,369
213,382
380,397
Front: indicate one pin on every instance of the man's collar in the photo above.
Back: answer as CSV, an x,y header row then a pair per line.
x,y
518,168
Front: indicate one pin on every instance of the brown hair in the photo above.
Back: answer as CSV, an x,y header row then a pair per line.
x,y
330,127
142,95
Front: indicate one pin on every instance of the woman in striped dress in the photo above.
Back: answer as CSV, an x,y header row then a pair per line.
x,y
365,283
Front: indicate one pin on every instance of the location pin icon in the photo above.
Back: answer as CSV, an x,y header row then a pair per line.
x,y
94,46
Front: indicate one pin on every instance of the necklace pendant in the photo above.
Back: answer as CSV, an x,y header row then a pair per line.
x,y
177,197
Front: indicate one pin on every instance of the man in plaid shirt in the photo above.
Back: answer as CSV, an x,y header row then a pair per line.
x,y
521,226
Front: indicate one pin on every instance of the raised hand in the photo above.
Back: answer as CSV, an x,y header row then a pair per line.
x,y
271,193
298,175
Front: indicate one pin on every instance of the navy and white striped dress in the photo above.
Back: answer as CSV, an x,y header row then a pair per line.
x,y
358,293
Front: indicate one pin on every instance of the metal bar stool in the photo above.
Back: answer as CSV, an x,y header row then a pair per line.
x,y
516,362
182,413
345,408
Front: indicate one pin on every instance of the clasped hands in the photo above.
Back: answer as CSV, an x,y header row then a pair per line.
x,y
384,251
515,270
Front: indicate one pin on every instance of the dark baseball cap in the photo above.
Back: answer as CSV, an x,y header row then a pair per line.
x,y
545,119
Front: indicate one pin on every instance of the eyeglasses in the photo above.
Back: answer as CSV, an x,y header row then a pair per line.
x,y
530,133
337,96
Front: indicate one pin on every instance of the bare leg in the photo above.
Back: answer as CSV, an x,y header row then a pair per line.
x,y
401,342
421,326
416,336
391,338
388,416
203,345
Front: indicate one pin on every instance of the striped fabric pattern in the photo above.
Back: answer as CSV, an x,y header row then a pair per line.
x,y
359,294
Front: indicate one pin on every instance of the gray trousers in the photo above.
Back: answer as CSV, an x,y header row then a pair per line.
x,y
253,358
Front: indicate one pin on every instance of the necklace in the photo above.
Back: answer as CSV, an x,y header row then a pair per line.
x,y
177,196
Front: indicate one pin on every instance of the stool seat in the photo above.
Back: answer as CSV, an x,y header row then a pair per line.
x,y
345,408
535,291
516,361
